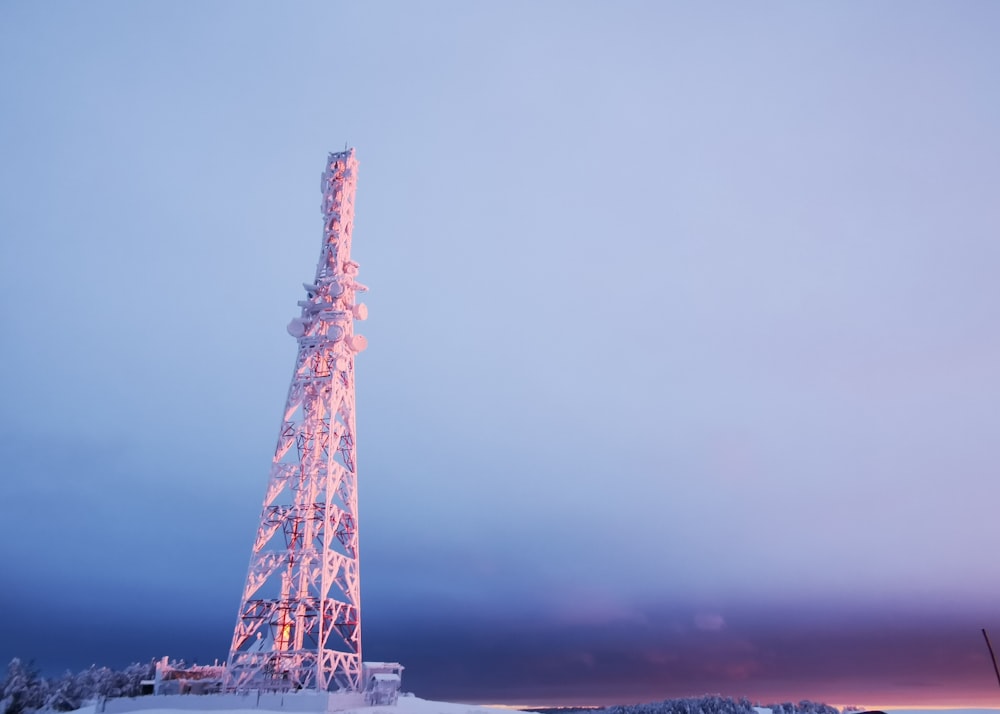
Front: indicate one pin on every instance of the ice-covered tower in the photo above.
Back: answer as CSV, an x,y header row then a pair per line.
x,y
299,623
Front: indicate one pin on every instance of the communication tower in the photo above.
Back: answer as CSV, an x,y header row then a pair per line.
x,y
299,622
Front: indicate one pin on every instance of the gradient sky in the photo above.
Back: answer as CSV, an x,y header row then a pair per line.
x,y
684,368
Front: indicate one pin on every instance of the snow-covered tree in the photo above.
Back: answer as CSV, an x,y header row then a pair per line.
x,y
715,704
66,693
711,704
23,691
109,683
803,707
132,677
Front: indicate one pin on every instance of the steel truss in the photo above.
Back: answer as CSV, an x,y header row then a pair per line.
x,y
299,623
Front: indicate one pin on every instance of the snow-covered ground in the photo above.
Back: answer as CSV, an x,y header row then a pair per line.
x,y
406,705
415,705
235,704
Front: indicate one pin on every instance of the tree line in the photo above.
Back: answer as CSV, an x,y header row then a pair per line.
x,y
714,704
24,690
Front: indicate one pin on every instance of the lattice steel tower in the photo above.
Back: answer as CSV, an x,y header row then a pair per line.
x,y
299,623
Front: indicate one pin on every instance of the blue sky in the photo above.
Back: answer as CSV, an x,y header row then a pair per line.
x,y
682,336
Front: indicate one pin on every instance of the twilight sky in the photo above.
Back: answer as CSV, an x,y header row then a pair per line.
x,y
684,368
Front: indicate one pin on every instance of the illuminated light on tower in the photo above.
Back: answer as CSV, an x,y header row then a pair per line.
x,y
299,622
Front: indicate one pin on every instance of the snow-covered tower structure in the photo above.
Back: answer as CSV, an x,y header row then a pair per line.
x,y
299,622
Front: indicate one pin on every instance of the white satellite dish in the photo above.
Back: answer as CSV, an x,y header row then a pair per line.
x,y
360,311
297,327
358,343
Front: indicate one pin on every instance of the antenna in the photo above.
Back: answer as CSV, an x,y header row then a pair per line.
x,y
299,622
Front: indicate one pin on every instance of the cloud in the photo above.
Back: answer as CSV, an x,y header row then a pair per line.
x,y
709,622
594,608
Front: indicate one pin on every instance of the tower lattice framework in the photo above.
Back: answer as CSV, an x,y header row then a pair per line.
x,y
299,622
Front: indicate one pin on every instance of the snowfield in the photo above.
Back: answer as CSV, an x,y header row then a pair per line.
x,y
189,704
251,704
